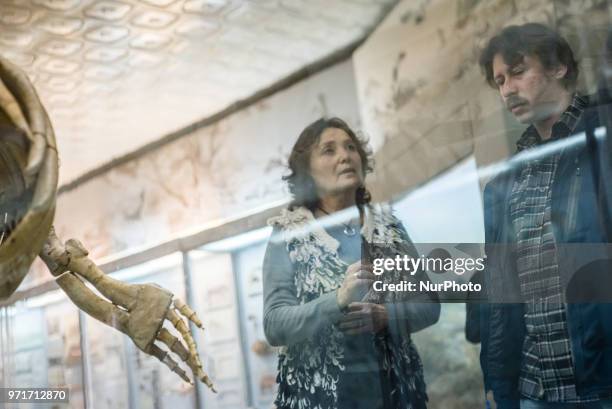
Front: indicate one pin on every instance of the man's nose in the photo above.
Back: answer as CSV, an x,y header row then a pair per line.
x,y
508,88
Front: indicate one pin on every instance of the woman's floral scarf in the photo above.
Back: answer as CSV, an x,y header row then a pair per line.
x,y
309,371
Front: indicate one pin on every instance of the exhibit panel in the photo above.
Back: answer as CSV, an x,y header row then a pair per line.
x,y
40,347
260,356
121,375
108,367
158,387
215,300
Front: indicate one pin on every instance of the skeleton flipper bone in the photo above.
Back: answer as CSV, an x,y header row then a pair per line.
x,y
138,310
165,357
187,312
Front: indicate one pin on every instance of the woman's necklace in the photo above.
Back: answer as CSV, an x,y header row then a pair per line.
x,y
349,230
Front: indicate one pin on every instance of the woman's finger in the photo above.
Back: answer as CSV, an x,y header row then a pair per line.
x,y
353,318
357,306
364,282
364,274
356,331
357,319
359,329
367,267
353,268
344,326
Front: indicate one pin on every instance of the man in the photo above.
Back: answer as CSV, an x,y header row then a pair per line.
x,y
541,348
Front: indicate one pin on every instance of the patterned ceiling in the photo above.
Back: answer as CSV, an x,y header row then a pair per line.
x,y
116,75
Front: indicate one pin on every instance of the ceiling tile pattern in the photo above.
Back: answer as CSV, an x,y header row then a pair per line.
x,y
118,74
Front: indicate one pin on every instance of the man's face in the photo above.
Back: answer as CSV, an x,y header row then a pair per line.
x,y
529,91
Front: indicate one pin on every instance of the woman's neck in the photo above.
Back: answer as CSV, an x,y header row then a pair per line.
x,y
334,203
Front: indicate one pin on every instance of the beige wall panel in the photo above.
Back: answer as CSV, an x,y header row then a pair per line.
x,y
421,91
217,172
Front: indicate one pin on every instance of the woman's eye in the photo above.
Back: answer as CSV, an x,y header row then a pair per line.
x,y
328,151
352,147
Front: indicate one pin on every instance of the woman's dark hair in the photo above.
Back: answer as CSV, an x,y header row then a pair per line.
x,y
532,39
301,184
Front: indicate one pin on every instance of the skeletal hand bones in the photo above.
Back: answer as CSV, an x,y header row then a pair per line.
x,y
137,310
28,189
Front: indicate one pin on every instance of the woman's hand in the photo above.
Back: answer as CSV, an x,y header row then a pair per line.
x,y
364,317
357,282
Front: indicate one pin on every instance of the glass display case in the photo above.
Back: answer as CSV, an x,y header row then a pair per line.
x,y
226,292
121,375
215,299
260,356
108,365
40,347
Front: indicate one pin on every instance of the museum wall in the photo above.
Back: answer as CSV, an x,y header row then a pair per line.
x,y
422,96
218,171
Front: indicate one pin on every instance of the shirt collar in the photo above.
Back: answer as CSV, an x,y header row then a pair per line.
x,y
563,127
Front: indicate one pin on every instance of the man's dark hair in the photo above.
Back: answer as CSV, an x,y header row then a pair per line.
x,y
531,39
300,182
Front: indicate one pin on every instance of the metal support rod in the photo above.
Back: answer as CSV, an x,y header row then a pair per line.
x,y
187,279
4,346
85,363
130,355
242,333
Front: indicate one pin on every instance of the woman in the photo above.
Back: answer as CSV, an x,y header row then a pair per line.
x,y
344,345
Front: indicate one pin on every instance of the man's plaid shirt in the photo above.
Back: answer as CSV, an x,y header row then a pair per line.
x,y
547,370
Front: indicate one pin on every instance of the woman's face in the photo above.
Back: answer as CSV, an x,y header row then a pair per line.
x,y
335,164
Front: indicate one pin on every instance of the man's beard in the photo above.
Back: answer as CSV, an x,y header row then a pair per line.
x,y
515,100
539,112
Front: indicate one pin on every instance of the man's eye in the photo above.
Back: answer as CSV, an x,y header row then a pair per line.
x,y
351,147
327,151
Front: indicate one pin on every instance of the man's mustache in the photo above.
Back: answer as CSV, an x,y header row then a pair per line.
x,y
514,100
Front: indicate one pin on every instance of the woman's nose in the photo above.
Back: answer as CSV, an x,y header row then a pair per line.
x,y
344,155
